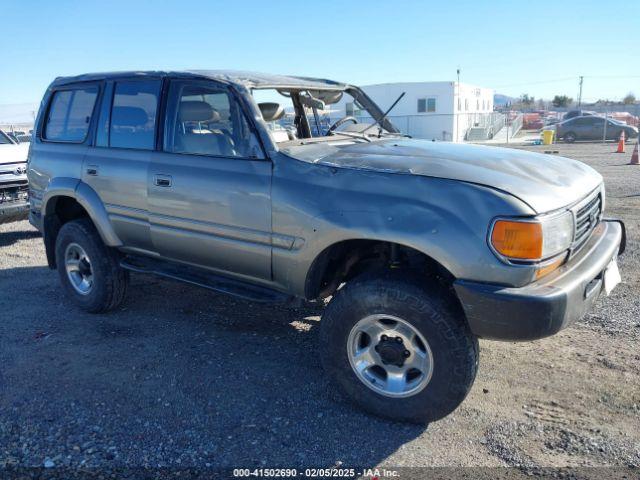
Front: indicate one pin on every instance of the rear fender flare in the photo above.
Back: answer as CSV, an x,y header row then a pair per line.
x,y
90,201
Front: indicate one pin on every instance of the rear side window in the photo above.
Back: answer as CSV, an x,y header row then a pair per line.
x,y
133,114
70,114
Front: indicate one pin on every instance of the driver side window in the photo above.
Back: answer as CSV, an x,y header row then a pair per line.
x,y
206,120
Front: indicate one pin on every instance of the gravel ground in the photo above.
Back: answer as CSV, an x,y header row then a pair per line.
x,y
183,377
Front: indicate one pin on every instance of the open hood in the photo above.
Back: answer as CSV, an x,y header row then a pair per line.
x,y
544,182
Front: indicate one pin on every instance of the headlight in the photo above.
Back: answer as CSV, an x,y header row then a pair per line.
x,y
532,239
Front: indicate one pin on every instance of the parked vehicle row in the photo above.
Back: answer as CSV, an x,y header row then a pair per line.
x,y
19,136
576,125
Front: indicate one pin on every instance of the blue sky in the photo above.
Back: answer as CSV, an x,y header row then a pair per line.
x,y
539,48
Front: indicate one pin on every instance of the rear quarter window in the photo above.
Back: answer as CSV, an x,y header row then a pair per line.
x,y
70,114
133,114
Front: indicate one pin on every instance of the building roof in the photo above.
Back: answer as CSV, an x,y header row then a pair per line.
x,y
246,79
449,83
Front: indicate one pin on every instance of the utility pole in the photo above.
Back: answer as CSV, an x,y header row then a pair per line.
x,y
456,105
580,94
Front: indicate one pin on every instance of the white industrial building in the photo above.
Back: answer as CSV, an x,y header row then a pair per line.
x,y
448,111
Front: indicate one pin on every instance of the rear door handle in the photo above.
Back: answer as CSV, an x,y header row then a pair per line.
x,y
92,170
162,180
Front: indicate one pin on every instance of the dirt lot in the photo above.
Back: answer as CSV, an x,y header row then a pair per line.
x,y
185,377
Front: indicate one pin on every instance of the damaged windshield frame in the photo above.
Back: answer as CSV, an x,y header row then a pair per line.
x,y
306,111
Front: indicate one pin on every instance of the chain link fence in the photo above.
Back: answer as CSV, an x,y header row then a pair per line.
x,y
447,127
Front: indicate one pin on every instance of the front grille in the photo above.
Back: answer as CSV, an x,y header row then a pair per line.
x,y
10,168
13,175
14,182
587,217
13,193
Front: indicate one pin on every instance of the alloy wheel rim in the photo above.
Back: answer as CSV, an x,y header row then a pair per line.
x,y
390,356
78,267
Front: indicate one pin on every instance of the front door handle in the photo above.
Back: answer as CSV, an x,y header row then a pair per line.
x,y
162,180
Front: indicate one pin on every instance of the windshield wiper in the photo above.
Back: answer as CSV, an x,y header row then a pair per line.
x,y
394,134
352,134
384,116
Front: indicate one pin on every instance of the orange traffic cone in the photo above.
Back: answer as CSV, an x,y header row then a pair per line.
x,y
634,156
621,143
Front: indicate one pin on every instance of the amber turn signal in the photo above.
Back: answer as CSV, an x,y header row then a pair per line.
x,y
520,240
550,267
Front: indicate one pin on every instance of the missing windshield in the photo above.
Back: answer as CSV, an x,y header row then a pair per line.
x,y
296,115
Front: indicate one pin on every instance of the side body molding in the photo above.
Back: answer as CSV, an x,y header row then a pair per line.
x,y
90,201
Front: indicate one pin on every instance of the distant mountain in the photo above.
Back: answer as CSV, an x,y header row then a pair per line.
x,y
18,113
500,100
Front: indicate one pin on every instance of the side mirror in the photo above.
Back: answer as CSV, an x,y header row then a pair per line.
x,y
311,102
329,97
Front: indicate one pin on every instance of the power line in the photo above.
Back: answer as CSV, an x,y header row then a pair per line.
x,y
536,83
565,79
613,76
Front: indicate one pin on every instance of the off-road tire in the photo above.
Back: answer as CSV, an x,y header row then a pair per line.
x,y
110,280
431,309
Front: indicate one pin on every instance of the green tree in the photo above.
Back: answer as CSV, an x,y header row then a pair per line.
x,y
561,101
629,99
526,100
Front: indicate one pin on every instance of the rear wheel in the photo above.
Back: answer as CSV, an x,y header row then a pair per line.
x,y
90,272
570,137
398,349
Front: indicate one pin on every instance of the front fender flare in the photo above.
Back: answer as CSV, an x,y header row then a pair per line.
x,y
398,226
334,227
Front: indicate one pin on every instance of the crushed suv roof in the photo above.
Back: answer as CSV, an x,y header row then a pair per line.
x,y
246,79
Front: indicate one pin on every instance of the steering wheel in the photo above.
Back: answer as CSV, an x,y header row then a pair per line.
x,y
342,121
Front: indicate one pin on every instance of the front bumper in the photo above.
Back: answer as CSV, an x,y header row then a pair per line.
x,y
545,307
13,211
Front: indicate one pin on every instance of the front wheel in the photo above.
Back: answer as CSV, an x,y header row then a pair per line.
x,y
398,349
570,137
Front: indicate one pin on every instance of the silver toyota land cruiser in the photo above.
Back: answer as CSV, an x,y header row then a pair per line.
x,y
242,183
